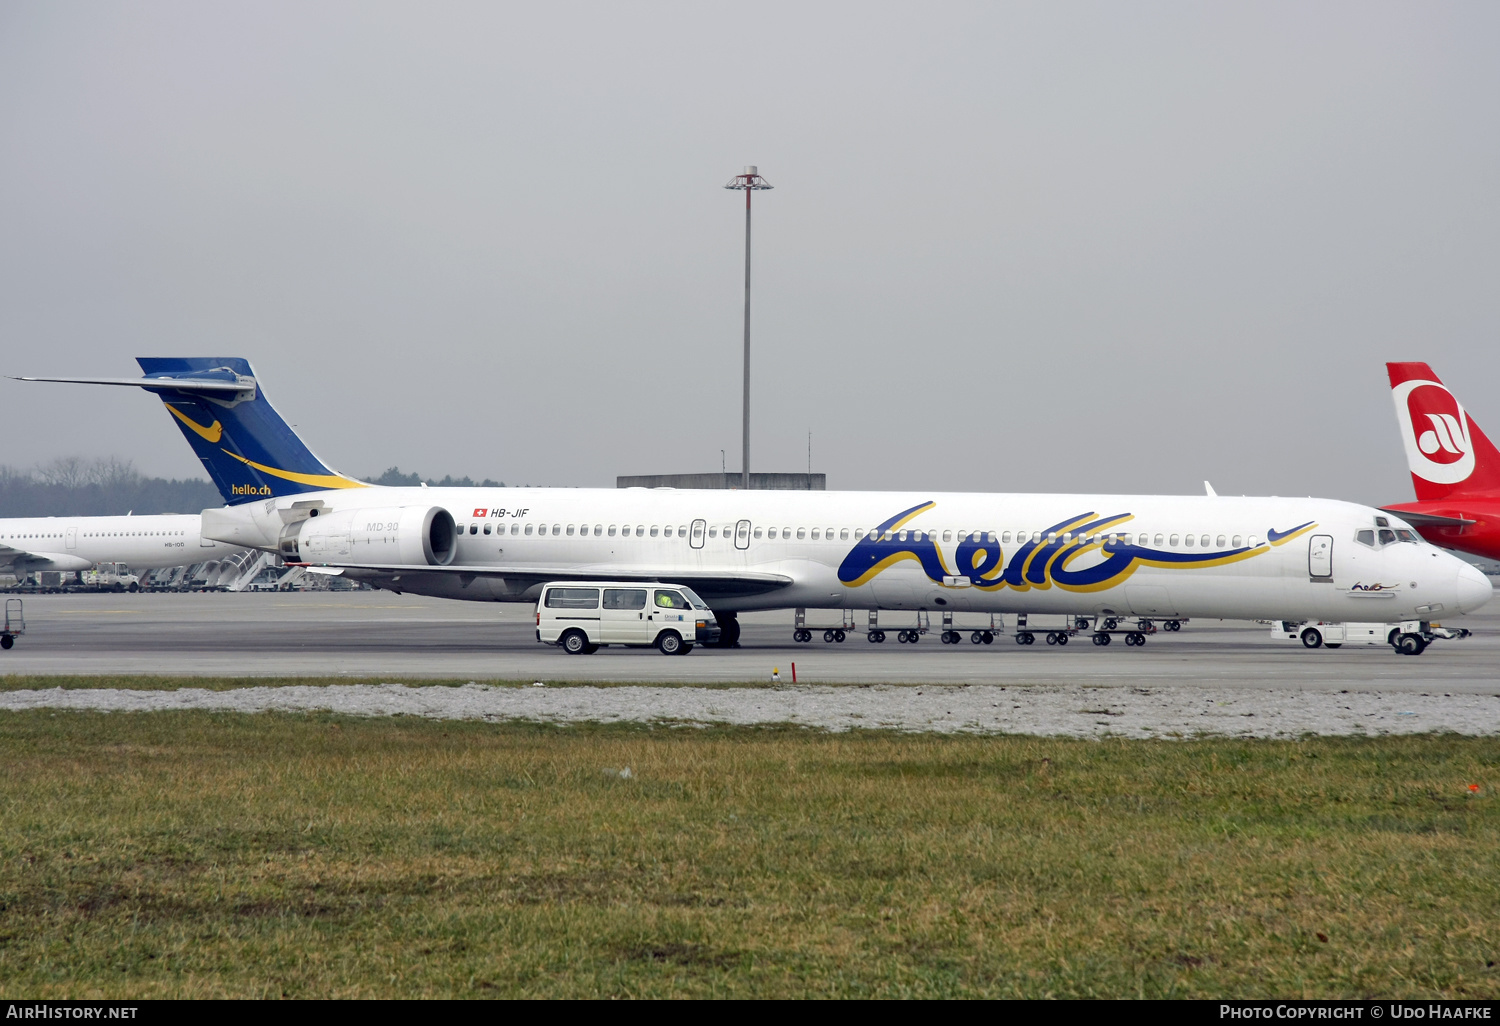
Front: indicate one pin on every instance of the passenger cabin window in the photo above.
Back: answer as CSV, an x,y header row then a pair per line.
x,y
653,530
757,532
624,598
828,533
1220,541
598,530
859,532
528,528
1365,538
640,530
573,598
487,529
1173,541
801,533
1252,541
611,530
570,530
1188,541
474,529
1236,542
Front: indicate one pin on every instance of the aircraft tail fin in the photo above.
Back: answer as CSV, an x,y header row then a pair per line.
x,y
222,410
1447,453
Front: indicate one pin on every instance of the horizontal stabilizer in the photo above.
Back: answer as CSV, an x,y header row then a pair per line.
x,y
175,384
1427,519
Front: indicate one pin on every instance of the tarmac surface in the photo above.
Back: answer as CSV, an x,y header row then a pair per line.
x,y
377,635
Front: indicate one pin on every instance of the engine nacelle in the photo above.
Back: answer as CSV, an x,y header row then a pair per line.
x,y
408,535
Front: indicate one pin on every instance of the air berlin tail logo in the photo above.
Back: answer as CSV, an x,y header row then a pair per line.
x,y
1435,430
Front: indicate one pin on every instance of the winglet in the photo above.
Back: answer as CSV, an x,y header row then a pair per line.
x,y
1208,490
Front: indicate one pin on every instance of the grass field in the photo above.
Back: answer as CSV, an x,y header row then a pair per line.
x,y
198,854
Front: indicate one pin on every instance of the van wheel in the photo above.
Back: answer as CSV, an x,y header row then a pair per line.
x,y
6,641
575,642
669,642
1410,644
1312,639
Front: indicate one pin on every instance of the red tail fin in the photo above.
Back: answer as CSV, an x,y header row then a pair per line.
x,y
1447,453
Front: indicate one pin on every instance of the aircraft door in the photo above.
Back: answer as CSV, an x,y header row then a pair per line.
x,y
1320,555
696,533
72,538
742,534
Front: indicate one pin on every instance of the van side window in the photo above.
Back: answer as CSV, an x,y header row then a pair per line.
x,y
624,598
671,600
573,598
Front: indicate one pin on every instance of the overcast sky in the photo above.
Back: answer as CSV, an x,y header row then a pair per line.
x,y
1011,247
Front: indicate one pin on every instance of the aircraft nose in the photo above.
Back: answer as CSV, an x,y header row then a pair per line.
x,y
1474,588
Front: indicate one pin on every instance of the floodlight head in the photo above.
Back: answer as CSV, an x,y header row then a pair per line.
x,y
751,179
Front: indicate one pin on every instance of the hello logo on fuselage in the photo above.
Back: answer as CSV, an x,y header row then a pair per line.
x,y
1077,554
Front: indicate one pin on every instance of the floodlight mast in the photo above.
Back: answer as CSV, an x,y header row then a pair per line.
x,y
750,181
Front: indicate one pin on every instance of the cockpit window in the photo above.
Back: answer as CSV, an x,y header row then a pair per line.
x,y
1366,538
1406,536
1387,536
1382,522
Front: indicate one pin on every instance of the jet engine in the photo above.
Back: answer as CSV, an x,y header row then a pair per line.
x,y
380,536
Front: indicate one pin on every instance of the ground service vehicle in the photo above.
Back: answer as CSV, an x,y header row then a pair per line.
x,y
15,623
580,616
1409,637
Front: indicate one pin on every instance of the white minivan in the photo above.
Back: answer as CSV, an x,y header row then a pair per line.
x,y
579,616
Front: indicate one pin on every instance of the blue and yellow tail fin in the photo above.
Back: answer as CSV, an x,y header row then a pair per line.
x,y
245,446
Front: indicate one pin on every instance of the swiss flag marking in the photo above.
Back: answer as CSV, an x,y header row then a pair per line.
x,y
481,512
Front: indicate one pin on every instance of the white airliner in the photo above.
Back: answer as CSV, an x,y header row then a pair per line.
x,y
1106,555
76,543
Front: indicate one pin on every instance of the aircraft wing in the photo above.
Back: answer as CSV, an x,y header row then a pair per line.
x,y
20,561
1428,519
711,584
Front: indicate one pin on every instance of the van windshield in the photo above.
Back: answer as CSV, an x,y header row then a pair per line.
x,y
692,596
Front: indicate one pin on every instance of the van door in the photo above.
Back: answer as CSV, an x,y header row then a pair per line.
x,y
623,618
742,534
1320,556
